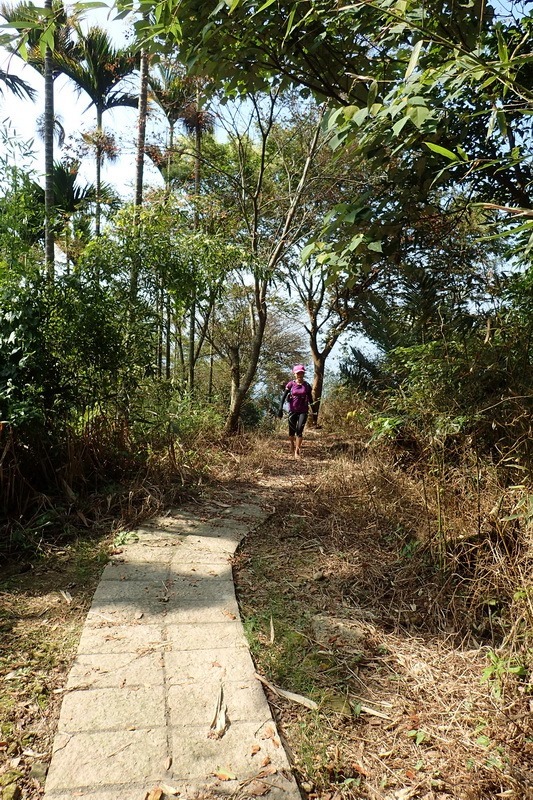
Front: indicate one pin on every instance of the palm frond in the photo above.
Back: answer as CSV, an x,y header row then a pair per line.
x,y
18,86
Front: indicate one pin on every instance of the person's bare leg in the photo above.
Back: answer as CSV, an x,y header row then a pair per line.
x,y
298,446
293,446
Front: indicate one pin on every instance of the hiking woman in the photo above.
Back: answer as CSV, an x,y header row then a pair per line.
x,y
300,398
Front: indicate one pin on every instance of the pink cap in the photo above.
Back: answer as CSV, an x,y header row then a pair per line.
x,y
298,368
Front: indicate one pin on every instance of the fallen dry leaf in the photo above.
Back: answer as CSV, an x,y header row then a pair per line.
x,y
220,721
225,775
270,733
155,794
255,749
257,789
296,698
270,769
170,790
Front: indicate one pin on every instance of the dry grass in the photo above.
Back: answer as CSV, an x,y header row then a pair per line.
x,y
42,610
391,647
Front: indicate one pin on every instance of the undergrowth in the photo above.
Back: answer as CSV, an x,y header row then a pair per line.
x,y
396,594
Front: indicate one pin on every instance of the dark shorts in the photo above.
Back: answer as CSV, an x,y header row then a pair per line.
x,y
297,423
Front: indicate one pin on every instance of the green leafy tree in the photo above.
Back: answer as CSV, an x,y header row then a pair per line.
x,y
438,89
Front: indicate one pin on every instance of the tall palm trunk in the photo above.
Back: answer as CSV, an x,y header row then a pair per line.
x,y
49,158
170,151
99,159
139,172
141,139
192,318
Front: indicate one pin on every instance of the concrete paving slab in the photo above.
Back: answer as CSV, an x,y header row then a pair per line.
x,y
211,665
161,639
212,634
99,759
193,555
196,757
105,670
171,613
224,543
113,709
143,554
195,703
169,591
141,571
199,613
129,791
105,638
192,569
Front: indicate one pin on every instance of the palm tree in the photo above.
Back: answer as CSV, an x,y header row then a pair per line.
x,y
33,24
72,204
97,68
175,94
49,118
18,86
180,98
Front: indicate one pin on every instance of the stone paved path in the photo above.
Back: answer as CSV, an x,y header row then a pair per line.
x,y
163,647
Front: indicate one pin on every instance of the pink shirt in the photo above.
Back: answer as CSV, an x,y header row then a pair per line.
x,y
299,397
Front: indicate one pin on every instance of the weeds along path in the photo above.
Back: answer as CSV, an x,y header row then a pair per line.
x,y
343,606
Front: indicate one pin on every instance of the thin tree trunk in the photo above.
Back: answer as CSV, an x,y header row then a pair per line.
x,y
192,320
160,325
139,176
168,330
49,160
319,363
211,358
239,392
141,139
99,156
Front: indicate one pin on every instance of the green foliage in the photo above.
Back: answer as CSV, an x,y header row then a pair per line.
x,y
500,668
58,343
160,413
430,95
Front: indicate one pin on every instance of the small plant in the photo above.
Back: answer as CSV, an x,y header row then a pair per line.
x,y
383,427
125,537
409,548
498,669
418,736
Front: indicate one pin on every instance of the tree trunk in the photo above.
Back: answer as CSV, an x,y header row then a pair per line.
x,y
99,157
211,359
197,178
49,160
141,138
240,391
168,329
160,325
319,364
139,175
